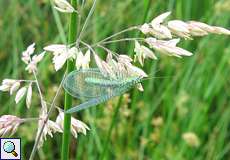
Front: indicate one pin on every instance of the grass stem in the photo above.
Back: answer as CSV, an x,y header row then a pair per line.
x,y
113,122
68,99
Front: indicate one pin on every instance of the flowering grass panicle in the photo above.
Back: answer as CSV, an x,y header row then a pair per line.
x,y
50,127
9,85
12,86
76,125
63,6
9,125
30,59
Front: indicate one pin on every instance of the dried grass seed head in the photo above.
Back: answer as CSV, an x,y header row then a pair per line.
x,y
20,94
9,125
76,125
63,6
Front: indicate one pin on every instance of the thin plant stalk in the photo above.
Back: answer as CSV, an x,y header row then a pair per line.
x,y
113,122
46,119
68,99
42,104
103,41
116,34
86,22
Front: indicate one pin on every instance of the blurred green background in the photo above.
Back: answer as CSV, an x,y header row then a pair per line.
x,y
193,97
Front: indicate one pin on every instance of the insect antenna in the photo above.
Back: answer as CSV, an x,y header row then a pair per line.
x,y
152,76
157,77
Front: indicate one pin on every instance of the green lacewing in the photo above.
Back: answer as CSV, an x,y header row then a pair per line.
x,y
93,88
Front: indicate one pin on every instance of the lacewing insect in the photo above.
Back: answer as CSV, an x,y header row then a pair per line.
x,y
93,88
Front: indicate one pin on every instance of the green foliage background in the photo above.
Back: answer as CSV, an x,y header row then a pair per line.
x,y
193,97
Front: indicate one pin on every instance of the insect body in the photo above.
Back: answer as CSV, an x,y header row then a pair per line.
x,y
105,82
93,88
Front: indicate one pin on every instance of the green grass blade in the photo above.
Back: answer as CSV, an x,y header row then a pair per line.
x,y
68,99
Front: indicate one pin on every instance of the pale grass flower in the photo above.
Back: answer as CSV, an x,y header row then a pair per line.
x,y
112,65
9,124
9,81
109,57
63,6
50,126
124,68
133,70
161,32
31,67
124,58
31,62
82,61
76,125
191,139
14,87
221,30
156,28
27,53
140,87
210,29
167,47
160,19
61,54
109,70
55,48
143,52
196,31
202,26
38,58
79,59
145,28
25,59
72,52
4,88
118,69
179,28
192,28
19,95
100,64
172,42
10,85
7,84
59,61
29,96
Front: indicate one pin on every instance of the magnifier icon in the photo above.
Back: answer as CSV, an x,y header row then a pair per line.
x,y
9,147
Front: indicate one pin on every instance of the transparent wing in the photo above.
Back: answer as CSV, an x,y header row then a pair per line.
x,y
90,103
76,85
95,101
117,91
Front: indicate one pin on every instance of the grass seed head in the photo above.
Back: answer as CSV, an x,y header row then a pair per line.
x,y
9,124
191,139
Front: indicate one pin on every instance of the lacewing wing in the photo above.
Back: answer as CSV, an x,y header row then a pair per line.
x,y
93,88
